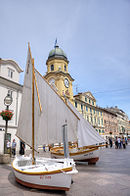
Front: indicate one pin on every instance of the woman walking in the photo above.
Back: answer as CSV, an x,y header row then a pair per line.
x,y
124,142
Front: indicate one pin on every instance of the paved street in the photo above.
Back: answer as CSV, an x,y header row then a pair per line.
x,y
111,176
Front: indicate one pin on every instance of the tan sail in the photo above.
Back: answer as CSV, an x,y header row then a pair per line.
x,y
86,134
55,113
48,121
25,124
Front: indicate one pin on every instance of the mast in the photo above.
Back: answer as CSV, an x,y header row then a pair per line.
x,y
65,141
33,159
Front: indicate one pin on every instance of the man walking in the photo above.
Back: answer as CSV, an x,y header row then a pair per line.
x,y
13,148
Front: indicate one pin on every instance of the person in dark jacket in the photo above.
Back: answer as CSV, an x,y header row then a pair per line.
x,y
22,148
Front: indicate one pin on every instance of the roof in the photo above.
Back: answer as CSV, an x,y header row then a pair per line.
x,y
5,62
58,53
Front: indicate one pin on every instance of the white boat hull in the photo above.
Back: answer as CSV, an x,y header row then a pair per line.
x,y
90,156
43,178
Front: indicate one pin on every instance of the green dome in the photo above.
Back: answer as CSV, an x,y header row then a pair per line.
x,y
57,52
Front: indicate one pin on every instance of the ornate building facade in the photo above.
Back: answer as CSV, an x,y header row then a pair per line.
x,y
122,119
9,84
57,73
110,123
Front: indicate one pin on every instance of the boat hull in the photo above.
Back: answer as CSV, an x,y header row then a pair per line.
x,y
53,182
89,155
42,178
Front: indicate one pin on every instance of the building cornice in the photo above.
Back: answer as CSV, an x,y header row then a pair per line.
x,y
10,84
87,104
9,126
110,112
85,94
56,57
6,62
59,73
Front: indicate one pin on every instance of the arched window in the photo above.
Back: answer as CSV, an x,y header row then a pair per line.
x,y
64,67
52,67
81,107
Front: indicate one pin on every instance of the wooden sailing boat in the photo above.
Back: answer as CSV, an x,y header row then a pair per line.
x,y
42,115
88,145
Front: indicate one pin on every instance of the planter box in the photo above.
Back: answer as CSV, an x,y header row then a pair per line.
x,y
5,158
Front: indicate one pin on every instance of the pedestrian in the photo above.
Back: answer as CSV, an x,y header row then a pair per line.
x,y
124,143
110,142
119,142
106,142
116,143
13,148
8,147
22,148
126,140
44,148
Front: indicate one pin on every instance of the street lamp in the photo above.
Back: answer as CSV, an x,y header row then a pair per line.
x,y
7,102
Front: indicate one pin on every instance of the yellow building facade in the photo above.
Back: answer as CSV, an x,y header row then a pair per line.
x,y
60,79
86,105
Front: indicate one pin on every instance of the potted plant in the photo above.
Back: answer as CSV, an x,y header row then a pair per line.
x,y
6,115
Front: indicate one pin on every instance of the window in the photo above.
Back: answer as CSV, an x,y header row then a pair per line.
x,y
93,102
99,121
81,107
59,68
86,108
86,99
76,104
90,110
91,120
102,121
64,67
101,113
94,111
10,73
95,120
10,92
89,101
52,67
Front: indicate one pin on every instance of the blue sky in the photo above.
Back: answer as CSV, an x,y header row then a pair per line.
x,y
93,33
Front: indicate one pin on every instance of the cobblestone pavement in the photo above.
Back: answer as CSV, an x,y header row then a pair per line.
x,y
109,177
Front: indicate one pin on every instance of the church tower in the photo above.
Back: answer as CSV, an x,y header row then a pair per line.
x,y
57,72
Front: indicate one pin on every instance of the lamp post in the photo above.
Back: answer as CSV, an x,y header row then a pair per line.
x,y
7,102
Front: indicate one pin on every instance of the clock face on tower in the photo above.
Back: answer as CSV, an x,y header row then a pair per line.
x,y
66,82
52,81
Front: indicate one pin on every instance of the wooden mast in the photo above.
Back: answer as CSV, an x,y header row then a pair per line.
x,y
33,159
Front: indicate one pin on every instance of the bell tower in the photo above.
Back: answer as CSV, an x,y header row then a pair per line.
x,y
57,72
